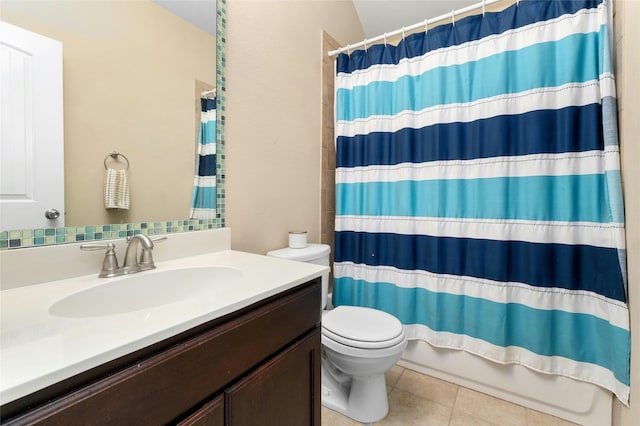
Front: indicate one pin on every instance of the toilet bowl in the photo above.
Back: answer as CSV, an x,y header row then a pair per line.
x,y
358,346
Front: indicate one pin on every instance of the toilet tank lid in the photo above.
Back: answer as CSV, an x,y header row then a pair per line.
x,y
310,252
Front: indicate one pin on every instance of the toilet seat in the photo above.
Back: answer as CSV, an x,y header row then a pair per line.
x,y
363,328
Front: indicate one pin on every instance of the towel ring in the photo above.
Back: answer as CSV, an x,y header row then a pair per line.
x,y
114,155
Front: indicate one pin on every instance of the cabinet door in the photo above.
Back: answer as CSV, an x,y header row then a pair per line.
x,y
284,391
211,414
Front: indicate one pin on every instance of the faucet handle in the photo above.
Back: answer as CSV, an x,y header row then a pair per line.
x,y
96,246
147,238
110,263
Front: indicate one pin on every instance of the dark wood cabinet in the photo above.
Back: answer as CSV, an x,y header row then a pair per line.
x,y
212,414
260,365
282,391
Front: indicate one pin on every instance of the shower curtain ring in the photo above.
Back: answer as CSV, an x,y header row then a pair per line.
x,y
453,17
403,33
365,44
483,8
426,26
385,38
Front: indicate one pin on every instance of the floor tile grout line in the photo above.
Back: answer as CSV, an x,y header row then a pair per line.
x,y
455,402
455,407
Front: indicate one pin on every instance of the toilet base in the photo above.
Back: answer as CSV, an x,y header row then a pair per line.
x,y
363,398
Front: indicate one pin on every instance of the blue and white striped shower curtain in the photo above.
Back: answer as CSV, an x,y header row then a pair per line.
x,y
478,193
203,201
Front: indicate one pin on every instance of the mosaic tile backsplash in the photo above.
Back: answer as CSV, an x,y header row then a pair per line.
x,y
72,234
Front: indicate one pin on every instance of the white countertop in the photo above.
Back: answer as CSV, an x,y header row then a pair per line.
x,y
38,349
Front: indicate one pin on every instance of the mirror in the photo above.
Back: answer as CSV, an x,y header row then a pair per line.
x,y
133,72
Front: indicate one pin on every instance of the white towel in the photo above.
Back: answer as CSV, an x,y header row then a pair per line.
x,y
116,190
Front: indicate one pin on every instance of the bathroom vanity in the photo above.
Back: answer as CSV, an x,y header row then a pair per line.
x,y
250,355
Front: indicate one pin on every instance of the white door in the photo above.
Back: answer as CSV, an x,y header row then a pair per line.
x,y
31,130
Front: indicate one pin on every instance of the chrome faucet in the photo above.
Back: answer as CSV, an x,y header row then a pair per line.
x,y
132,262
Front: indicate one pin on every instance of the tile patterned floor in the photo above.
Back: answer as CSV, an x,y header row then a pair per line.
x,y
416,399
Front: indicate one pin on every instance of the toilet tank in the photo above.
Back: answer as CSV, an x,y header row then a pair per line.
x,y
312,253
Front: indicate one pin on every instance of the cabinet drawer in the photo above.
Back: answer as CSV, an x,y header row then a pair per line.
x,y
160,388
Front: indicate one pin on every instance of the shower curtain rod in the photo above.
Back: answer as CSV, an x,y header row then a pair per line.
x,y
424,24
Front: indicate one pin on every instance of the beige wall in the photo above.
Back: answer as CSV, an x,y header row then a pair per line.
x,y
627,36
129,74
273,111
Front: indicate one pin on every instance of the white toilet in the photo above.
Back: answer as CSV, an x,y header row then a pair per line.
x,y
358,346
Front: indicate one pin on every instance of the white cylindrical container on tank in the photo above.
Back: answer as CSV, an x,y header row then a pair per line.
x,y
297,239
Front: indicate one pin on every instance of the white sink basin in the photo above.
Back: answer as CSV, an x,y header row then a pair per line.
x,y
145,290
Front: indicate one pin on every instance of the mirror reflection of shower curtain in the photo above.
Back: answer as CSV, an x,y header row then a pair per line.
x,y
203,201
478,194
